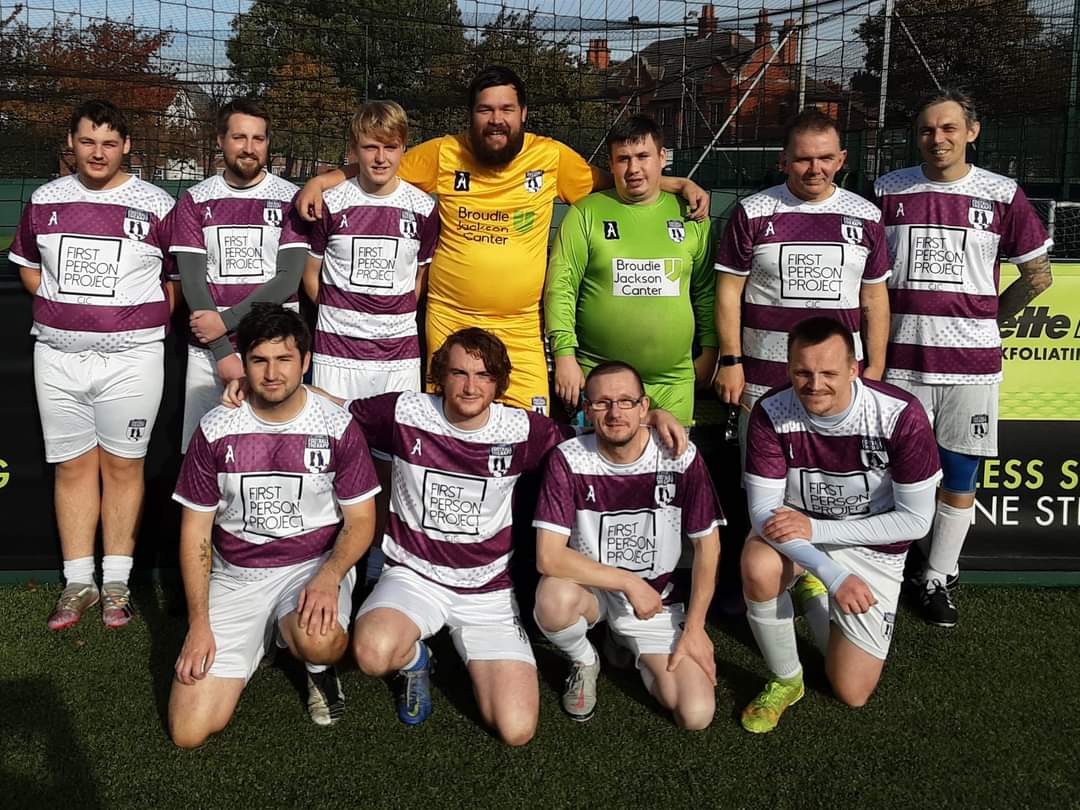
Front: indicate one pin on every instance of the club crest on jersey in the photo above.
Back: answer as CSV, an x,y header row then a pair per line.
x,y
272,213
316,453
873,454
664,491
407,224
980,426
136,224
851,228
136,428
539,405
500,457
534,180
461,181
676,230
980,213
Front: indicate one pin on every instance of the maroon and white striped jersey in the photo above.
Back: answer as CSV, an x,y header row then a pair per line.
x,y
101,259
945,242
803,259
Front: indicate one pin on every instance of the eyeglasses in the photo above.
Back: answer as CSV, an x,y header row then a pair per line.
x,y
601,405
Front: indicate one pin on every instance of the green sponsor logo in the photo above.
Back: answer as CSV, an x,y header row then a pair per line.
x,y
523,221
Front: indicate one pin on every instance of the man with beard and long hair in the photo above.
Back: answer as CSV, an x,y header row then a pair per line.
x,y
496,184
227,238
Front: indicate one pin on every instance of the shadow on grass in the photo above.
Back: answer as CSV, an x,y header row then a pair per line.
x,y
163,609
43,763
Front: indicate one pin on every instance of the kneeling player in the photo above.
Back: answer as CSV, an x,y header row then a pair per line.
x,y
840,479
612,512
269,482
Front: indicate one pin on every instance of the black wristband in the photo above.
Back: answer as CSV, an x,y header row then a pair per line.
x,y
730,359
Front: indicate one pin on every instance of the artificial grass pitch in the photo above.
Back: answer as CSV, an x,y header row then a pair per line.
x,y
985,715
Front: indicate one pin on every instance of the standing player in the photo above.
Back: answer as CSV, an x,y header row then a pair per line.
x,y
262,545
610,521
840,481
630,278
231,250
90,249
948,224
496,184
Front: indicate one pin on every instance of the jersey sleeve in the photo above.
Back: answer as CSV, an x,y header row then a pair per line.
x,y
24,249
429,236
735,251
913,448
354,476
375,418
197,486
878,267
574,178
420,165
566,268
185,227
764,453
1023,237
295,232
701,511
555,503
544,434
703,288
319,233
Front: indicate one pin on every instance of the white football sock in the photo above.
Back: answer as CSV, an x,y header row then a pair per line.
x,y
80,570
116,568
773,625
572,641
315,669
816,613
415,657
950,530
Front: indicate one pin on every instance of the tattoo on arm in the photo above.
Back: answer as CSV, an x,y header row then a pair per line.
x,y
1035,277
204,554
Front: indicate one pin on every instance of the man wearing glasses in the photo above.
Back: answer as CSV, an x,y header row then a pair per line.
x,y
613,509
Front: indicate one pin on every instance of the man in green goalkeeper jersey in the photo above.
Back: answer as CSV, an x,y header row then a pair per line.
x,y
630,278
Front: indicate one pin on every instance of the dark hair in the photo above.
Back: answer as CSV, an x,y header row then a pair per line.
x,y
817,330
244,106
614,367
496,76
479,343
955,95
634,129
99,112
271,322
811,119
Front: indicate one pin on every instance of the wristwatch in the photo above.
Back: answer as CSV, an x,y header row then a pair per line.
x,y
730,359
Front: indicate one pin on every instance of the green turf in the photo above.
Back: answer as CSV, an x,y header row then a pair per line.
x,y
986,715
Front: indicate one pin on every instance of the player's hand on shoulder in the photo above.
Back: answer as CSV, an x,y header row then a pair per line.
x,y
197,655
318,603
643,597
230,368
787,524
854,595
234,393
669,430
309,200
698,199
569,380
694,643
729,383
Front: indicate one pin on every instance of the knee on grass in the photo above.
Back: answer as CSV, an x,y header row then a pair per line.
x,y
854,696
695,715
516,729
190,735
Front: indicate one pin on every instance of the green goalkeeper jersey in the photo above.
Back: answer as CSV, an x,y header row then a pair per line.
x,y
632,283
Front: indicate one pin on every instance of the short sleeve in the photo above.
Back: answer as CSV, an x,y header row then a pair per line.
x,y
1023,237
185,227
420,165
375,418
701,512
197,487
764,453
913,448
160,235
429,236
295,232
555,503
735,249
544,434
878,267
24,249
354,474
575,178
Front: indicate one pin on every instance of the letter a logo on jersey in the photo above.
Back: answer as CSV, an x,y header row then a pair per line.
x,y
534,181
272,213
500,457
54,220
461,181
136,224
981,213
676,230
611,229
316,453
851,228
664,491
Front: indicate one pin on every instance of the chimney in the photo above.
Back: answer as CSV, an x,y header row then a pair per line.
x,y
762,29
599,54
706,25
790,56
